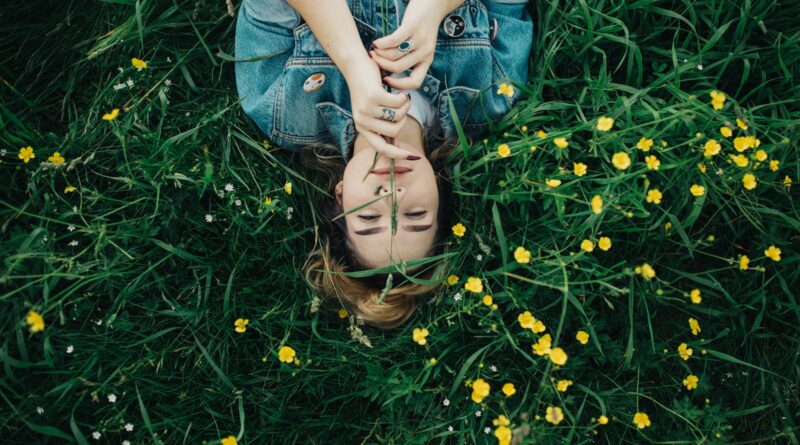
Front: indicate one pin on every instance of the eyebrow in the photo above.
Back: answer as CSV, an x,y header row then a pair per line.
x,y
375,230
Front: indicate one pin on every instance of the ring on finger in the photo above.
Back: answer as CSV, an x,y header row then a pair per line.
x,y
388,114
404,47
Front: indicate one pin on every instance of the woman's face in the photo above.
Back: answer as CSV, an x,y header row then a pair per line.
x,y
369,229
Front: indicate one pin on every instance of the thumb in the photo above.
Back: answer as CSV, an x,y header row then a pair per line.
x,y
392,40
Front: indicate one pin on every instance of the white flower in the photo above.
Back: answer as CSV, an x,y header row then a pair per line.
x,y
446,402
487,430
229,187
289,211
126,442
96,435
128,426
479,257
112,398
700,66
450,428
167,82
74,209
71,228
98,322
70,348
209,218
457,297
39,410
168,59
478,413
493,368
186,114
130,83
44,239
73,243
237,203
3,152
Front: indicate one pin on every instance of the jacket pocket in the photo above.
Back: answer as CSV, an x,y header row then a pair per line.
x,y
470,112
340,125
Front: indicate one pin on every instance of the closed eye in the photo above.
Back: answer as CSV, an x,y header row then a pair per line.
x,y
416,214
369,217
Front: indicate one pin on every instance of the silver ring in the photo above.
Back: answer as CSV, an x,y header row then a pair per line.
x,y
404,47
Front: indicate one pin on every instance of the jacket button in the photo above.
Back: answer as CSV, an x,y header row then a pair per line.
x,y
454,25
314,82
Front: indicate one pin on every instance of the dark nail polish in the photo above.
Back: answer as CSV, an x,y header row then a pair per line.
x,y
413,158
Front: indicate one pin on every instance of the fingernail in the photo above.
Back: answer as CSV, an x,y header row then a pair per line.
x,y
413,158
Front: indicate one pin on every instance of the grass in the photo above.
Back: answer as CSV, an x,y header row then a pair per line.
x,y
126,271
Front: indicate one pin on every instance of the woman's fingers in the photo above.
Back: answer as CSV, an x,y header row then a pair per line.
x,y
394,39
392,53
380,145
386,128
393,114
399,65
392,100
413,81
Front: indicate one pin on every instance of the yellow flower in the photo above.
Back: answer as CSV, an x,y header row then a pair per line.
x,y
597,204
605,123
774,165
711,148
697,190
501,421
112,115
654,196
690,382
56,158
480,389
604,243
749,181
542,134
267,201
725,132
644,144
287,188
742,143
286,354
694,325
26,154
701,167
602,420
69,189
503,435
563,385
419,336
740,160
526,320
138,63
641,420
241,324
761,155
652,162
744,262
474,284
717,99
342,313
509,389
695,296
580,168
503,150
35,321
459,230
685,351
542,346
553,183
433,361
787,181
534,148
487,300
561,142
773,253
554,415
452,279
230,440
621,160
506,89
582,337
646,271
741,124
558,356
522,255
587,245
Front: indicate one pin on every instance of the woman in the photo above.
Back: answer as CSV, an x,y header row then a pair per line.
x,y
309,72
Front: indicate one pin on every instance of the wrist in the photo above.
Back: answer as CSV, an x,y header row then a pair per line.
x,y
353,64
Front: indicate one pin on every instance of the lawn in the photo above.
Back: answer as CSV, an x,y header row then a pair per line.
x,y
629,265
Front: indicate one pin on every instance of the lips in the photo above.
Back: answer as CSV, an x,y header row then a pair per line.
x,y
398,170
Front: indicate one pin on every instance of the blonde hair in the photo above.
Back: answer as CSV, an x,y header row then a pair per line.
x,y
330,259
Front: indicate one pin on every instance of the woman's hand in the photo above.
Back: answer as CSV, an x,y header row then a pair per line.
x,y
420,27
376,112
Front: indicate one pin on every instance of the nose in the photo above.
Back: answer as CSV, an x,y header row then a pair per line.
x,y
399,190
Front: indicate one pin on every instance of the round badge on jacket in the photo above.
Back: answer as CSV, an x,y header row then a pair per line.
x,y
454,25
314,82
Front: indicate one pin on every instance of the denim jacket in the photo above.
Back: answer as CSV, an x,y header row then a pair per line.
x,y
293,91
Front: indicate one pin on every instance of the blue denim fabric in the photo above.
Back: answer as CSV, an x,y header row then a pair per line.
x,y
277,52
